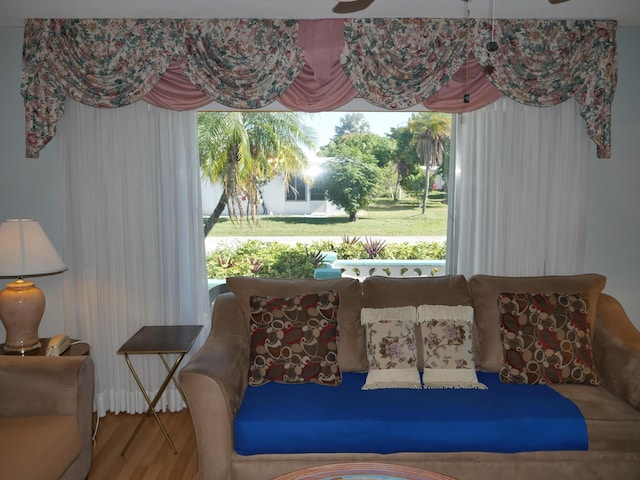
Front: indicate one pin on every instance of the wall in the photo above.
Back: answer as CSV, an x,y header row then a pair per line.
x,y
613,228
31,187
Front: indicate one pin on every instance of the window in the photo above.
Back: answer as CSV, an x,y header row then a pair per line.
x,y
346,144
296,189
317,193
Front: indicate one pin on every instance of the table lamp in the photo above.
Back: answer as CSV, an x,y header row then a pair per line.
x,y
25,250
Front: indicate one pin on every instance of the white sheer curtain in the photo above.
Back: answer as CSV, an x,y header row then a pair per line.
x,y
133,238
520,195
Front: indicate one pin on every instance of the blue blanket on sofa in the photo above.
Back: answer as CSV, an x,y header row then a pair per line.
x,y
309,418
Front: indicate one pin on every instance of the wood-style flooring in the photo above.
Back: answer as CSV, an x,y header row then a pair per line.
x,y
149,457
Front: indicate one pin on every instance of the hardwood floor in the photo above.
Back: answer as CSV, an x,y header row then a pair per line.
x,y
149,457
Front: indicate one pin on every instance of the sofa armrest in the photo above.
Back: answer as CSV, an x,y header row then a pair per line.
x,y
214,382
616,350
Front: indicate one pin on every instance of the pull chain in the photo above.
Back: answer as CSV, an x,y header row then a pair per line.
x,y
492,46
467,96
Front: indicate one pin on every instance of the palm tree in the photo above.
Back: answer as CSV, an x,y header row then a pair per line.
x,y
246,150
432,130
352,123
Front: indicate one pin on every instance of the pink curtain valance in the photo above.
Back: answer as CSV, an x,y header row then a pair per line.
x,y
469,81
322,84
316,65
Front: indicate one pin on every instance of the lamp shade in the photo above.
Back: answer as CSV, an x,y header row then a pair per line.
x,y
26,250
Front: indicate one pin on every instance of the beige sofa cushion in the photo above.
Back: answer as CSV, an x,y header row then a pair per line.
x,y
612,424
379,292
384,292
485,290
39,447
352,356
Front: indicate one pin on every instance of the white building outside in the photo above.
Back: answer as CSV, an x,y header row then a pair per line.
x,y
302,199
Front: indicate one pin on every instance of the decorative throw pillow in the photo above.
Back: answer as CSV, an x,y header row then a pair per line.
x,y
295,339
352,356
546,338
488,351
448,347
391,348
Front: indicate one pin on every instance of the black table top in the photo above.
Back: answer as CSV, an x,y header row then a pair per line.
x,y
161,339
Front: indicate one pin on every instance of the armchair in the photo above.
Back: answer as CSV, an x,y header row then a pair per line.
x,y
46,406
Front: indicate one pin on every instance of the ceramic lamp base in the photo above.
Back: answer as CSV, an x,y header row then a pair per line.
x,y
21,308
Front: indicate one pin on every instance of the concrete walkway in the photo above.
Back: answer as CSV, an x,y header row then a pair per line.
x,y
213,242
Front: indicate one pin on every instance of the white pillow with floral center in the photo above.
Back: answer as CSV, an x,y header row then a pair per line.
x,y
448,347
391,347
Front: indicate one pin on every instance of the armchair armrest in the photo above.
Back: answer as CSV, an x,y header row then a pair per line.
x,y
616,350
214,382
34,386
44,385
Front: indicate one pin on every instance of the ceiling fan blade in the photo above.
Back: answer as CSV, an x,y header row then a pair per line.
x,y
350,6
555,2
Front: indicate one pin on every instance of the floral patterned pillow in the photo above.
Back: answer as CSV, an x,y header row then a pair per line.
x,y
448,347
546,338
295,339
391,348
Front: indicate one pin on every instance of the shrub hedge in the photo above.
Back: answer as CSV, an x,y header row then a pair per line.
x,y
280,260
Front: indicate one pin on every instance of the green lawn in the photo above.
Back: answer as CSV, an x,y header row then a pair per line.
x,y
383,218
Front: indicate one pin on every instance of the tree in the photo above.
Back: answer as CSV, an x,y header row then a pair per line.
x,y
365,146
244,151
432,130
405,159
352,123
362,145
351,183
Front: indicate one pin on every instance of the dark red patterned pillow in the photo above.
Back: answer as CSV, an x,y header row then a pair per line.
x,y
295,339
546,339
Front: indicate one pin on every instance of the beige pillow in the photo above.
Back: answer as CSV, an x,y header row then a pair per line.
x,y
447,340
352,355
485,290
391,348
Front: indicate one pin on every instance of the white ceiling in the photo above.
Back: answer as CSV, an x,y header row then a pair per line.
x,y
13,12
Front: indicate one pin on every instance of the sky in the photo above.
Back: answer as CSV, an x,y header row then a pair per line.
x,y
379,122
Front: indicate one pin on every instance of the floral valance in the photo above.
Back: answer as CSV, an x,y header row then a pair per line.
x,y
114,62
545,63
315,65
400,63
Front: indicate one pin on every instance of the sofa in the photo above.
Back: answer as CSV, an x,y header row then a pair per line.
x,y
220,380
46,406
